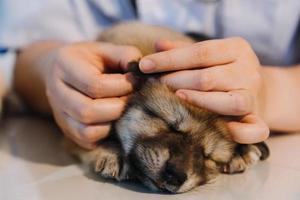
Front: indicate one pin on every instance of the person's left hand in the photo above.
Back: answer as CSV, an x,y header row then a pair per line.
x,y
2,91
223,76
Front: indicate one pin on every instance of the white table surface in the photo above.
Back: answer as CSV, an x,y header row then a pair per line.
x,y
33,165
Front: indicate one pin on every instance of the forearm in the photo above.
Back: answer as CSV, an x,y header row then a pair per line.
x,y
281,106
30,73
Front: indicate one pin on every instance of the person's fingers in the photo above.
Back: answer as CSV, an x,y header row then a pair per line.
x,y
164,44
249,131
236,102
100,110
89,81
82,69
116,56
198,55
219,78
66,129
86,133
84,109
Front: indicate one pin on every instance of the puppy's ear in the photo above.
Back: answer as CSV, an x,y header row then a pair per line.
x,y
139,77
134,68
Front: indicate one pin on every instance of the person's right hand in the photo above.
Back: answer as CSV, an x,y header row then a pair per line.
x,y
87,89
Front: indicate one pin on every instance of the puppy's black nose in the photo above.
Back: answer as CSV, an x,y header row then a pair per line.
x,y
174,177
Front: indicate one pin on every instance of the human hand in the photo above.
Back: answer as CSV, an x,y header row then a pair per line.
x,y
223,76
2,91
86,88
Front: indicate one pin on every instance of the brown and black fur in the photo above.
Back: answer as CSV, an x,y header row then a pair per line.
x,y
161,140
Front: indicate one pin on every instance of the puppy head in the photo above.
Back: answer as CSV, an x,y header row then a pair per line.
x,y
169,162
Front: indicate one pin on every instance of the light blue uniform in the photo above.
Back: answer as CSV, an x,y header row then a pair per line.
x,y
271,26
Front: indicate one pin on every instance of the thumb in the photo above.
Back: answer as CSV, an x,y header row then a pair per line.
x,y
250,130
116,56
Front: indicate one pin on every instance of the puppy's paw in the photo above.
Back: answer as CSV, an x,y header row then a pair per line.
x,y
105,160
245,157
236,165
107,164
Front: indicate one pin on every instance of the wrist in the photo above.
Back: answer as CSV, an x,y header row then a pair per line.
x,y
31,71
7,61
267,97
263,97
47,58
278,101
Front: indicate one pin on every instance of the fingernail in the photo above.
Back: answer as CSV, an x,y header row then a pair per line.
x,y
147,65
181,95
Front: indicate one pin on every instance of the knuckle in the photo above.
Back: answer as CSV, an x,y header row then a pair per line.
x,y
94,88
60,56
242,104
89,134
84,114
265,133
241,42
204,81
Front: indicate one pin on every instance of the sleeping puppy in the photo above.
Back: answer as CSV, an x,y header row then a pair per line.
x,y
160,140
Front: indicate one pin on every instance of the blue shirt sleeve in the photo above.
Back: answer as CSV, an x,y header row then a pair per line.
x,y
3,50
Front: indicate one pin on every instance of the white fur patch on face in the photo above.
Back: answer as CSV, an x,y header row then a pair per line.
x,y
126,137
190,183
127,130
